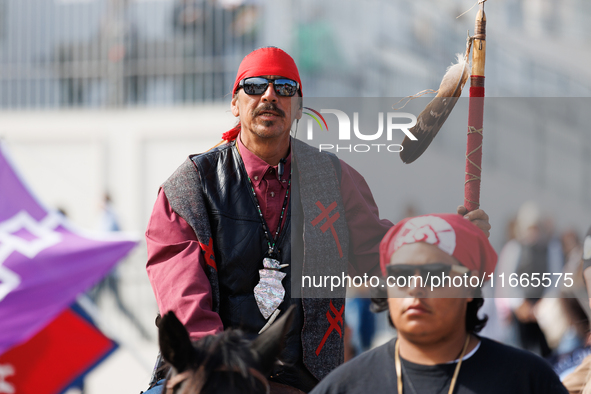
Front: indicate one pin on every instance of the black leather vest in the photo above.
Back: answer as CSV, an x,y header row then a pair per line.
x,y
240,245
218,204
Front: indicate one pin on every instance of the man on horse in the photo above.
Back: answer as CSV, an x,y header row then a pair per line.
x,y
232,227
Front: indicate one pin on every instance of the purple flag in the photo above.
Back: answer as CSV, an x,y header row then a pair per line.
x,y
44,262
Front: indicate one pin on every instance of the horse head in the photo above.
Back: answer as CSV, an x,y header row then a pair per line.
x,y
224,363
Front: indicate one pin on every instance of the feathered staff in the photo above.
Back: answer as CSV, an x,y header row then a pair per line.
x,y
435,114
475,115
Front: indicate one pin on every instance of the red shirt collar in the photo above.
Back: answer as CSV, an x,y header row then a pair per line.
x,y
256,168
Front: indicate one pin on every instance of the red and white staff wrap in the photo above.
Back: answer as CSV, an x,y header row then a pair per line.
x,y
476,109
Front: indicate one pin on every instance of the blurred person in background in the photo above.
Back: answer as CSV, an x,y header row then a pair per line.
x,y
360,320
226,214
563,313
111,283
438,349
536,250
573,257
508,259
573,299
579,382
561,318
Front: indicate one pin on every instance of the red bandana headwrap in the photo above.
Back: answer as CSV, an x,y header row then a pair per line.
x,y
453,234
263,61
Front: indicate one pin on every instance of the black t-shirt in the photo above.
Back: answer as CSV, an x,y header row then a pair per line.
x,y
493,369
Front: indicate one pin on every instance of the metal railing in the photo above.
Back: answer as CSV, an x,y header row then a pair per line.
x,y
120,53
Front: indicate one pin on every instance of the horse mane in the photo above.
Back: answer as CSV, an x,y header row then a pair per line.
x,y
228,362
226,359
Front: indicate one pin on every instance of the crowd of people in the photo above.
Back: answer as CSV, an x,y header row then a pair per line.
x,y
234,228
549,321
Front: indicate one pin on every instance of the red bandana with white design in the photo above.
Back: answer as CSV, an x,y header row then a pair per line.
x,y
453,234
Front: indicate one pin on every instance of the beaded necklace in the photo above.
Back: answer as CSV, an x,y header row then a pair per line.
x,y
271,244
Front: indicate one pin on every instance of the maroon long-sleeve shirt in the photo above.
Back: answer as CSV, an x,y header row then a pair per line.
x,y
175,262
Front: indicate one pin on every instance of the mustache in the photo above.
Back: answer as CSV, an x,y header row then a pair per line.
x,y
269,107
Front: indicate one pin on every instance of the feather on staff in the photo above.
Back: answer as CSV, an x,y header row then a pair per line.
x,y
436,112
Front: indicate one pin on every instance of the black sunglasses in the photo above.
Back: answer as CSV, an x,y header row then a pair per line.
x,y
425,270
258,85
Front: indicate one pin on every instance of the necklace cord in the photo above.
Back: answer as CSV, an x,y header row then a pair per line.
x,y
454,379
271,243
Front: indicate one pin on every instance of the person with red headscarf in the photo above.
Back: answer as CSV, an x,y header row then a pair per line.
x,y
221,237
438,349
